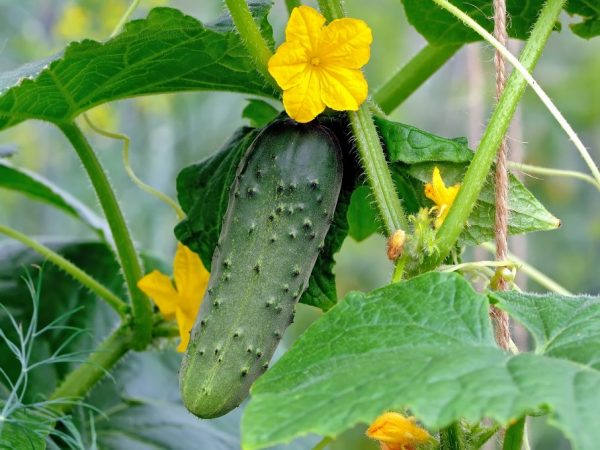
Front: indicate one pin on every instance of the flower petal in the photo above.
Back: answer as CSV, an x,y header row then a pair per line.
x,y
191,279
160,289
185,324
303,102
343,89
305,26
346,43
288,64
394,428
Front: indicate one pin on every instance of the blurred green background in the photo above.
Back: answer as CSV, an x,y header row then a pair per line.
x,y
169,132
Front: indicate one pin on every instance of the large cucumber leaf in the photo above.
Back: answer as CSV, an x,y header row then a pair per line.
x,y
41,189
414,153
166,52
427,344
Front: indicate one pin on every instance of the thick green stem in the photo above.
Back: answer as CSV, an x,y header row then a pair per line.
x,y
412,75
372,157
126,253
118,305
291,4
376,170
80,381
253,39
451,438
479,168
513,438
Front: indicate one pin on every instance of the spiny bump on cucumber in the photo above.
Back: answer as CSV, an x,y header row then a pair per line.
x,y
279,211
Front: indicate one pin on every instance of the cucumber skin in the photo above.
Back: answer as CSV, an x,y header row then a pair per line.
x,y
281,205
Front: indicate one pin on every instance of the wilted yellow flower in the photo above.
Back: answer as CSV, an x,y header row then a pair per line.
x,y
181,301
319,66
397,432
442,196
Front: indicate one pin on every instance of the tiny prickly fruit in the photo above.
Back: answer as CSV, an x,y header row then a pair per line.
x,y
270,240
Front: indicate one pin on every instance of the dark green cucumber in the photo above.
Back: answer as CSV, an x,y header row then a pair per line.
x,y
280,208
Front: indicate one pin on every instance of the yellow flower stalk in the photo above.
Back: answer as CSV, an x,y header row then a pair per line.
x,y
319,65
182,300
441,195
397,432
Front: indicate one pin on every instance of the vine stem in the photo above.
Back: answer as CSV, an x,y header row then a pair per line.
x,y
250,33
481,163
126,163
372,157
323,443
537,170
78,382
125,250
132,7
412,75
97,288
525,73
532,272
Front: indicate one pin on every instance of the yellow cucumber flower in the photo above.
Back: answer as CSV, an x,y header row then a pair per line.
x,y
319,66
397,432
181,301
442,196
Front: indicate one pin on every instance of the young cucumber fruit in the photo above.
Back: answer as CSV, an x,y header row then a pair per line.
x,y
280,208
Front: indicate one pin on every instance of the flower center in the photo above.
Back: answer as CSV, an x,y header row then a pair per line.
x,y
315,61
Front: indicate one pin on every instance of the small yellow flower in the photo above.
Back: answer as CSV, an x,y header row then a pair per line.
x,y
397,432
319,66
442,196
181,301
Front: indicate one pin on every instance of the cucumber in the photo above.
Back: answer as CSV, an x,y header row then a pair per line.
x,y
281,205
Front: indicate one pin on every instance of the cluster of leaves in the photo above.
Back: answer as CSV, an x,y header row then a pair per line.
x,y
425,344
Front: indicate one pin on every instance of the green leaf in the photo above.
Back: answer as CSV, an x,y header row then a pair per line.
x,y
440,27
409,145
414,153
203,193
562,326
41,189
259,113
363,220
427,345
589,27
166,52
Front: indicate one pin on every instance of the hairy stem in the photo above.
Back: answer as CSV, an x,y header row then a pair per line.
x,y
513,438
376,170
479,168
117,304
451,438
372,157
80,381
126,253
323,443
251,36
412,75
